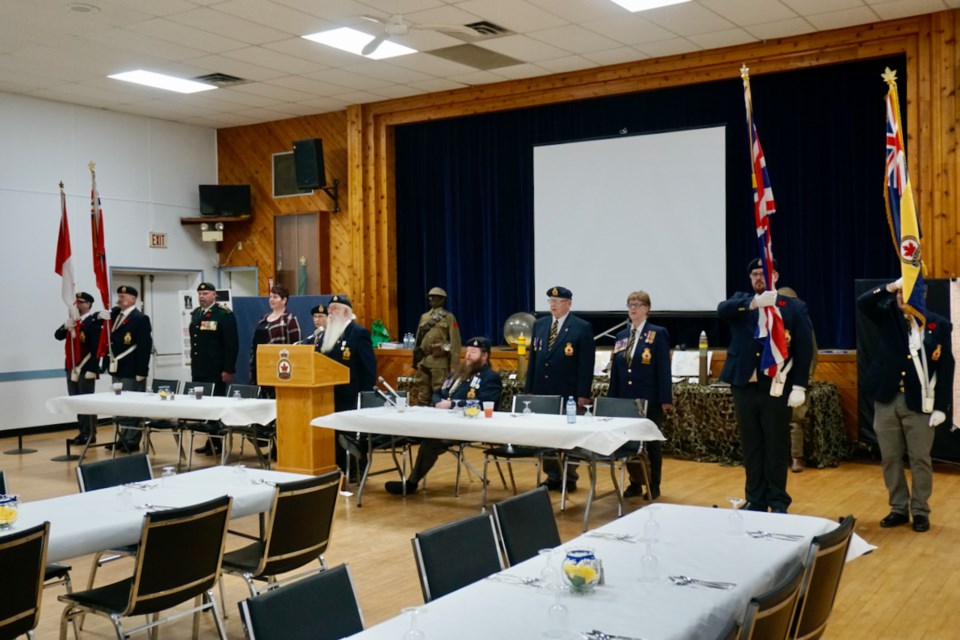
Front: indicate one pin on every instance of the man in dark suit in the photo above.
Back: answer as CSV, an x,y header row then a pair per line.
x,y
213,351
131,342
911,383
81,362
473,380
640,368
561,363
763,404
319,315
349,343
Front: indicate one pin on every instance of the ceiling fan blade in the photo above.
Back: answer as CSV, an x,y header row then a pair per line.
x,y
374,44
369,18
448,28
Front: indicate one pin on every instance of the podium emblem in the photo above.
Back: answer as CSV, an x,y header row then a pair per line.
x,y
284,367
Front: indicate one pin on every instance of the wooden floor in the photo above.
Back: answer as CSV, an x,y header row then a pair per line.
x,y
908,588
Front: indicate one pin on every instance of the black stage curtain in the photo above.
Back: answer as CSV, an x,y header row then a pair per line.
x,y
465,195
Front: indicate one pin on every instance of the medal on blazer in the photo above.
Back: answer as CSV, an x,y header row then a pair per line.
x,y
83,337
127,338
568,350
471,394
646,355
345,351
787,336
936,354
650,337
208,325
620,345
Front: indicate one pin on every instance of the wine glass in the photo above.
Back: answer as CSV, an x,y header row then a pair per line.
x,y
526,408
649,565
735,518
548,575
587,416
456,406
413,633
651,528
557,613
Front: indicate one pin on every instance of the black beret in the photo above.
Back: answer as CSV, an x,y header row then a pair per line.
x,y
128,289
756,263
86,297
341,300
560,292
480,343
206,286
318,309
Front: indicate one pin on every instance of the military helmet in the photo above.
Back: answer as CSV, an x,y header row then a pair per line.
x,y
437,291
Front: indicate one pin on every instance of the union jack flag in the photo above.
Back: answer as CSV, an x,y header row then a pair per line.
x,y
902,209
770,330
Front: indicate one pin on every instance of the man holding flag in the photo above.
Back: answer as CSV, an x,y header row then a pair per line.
x,y
911,378
771,347
82,364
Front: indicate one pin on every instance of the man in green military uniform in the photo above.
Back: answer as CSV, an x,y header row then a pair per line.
x,y
437,348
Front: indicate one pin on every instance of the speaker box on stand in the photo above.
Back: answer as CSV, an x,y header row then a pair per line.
x,y
308,160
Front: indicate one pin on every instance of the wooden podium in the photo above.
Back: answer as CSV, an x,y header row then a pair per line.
x,y
304,380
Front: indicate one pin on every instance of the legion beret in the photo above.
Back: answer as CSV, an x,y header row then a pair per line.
x,y
560,292
341,300
86,297
437,291
206,286
756,263
480,343
128,289
318,309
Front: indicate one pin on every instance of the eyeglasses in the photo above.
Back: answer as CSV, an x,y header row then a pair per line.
x,y
557,300
636,305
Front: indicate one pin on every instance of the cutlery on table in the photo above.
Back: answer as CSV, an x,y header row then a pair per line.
x,y
509,579
596,634
683,581
790,537
153,507
618,537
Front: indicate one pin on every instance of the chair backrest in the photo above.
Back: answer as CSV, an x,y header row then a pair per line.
x,y
769,616
825,561
620,407
372,399
23,556
299,523
321,607
454,555
164,382
179,555
246,391
207,387
730,631
525,524
114,472
538,404
3,481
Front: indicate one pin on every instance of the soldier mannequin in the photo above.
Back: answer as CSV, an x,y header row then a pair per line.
x,y
437,348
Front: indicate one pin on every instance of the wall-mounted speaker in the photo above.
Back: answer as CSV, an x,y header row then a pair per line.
x,y
308,158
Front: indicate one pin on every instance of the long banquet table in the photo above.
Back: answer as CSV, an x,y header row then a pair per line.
x,y
140,404
693,541
82,523
601,435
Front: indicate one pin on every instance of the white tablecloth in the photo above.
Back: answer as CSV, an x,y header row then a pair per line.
x,y
602,435
694,541
230,411
83,523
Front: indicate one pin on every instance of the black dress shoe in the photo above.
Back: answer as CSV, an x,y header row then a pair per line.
x,y
654,493
895,519
778,509
81,440
395,487
753,506
206,449
921,523
552,485
635,489
571,486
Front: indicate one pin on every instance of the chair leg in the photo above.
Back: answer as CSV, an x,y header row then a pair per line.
x,y
513,482
154,630
592,466
483,486
217,619
563,488
456,487
503,478
118,627
190,452
198,602
616,487
223,598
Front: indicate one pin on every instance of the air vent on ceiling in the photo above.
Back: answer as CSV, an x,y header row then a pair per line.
x,y
221,79
473,56
488,29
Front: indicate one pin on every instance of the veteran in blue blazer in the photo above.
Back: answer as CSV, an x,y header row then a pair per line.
x,y
640,369
561,360
763,414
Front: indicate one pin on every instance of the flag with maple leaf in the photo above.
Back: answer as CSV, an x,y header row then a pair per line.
x,y
902,209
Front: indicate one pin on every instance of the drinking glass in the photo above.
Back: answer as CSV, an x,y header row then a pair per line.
x,y
649,565
735,518
526,408
586,412
557,613
548,575
413,633
168,474
651,528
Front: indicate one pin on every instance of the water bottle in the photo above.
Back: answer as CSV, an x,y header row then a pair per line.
x,y
571,410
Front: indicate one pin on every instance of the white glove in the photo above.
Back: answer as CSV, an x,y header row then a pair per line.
x,y
104,315
69,324
797,396
766,299
89,375
896,285
141,378
937,418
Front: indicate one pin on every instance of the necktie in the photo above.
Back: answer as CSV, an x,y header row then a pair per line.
x,y
553,334
629,354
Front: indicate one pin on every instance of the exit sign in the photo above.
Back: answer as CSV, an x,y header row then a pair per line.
x,y
158,240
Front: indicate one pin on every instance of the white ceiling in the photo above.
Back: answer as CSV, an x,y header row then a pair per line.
x,y
50,51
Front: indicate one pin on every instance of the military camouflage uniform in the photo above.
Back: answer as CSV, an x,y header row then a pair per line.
x,y
433,362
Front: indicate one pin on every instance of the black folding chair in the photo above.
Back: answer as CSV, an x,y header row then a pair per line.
x,y
23,556
525,524
769,616
824,568
454,555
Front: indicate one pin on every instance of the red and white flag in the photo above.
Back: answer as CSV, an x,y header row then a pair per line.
x,y
64,265
99,259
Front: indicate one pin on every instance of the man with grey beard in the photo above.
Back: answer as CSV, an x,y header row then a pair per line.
x,y
349,343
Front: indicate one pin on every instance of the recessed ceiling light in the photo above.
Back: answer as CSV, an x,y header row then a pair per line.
x,y
162,81
83,7
643,5
353,41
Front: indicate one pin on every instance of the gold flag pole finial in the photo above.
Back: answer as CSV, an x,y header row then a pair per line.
x,y
61,185
745,72
93,167
889,76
